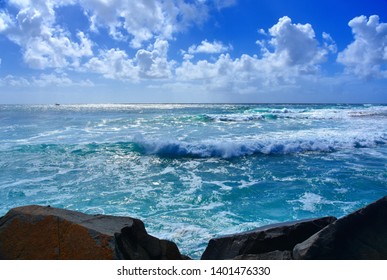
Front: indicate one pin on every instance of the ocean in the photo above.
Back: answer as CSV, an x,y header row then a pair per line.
x,y
192,172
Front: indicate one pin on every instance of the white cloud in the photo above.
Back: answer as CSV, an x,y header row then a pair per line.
x,y
13,81
154,63
290,53
329,43
139,19
56,50
5,21
142,21
294,45
43,80
149,63
209,48
220,4
366,56
45,44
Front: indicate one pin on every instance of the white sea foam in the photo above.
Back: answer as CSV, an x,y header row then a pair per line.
x,y
326,141
302,113
187,170
312,202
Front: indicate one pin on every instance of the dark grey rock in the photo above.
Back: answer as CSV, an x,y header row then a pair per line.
x,y
282,237
133,243
359,235
274,255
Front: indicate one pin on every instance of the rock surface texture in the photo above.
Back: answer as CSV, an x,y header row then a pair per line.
x,y
359,235
37,232
269,242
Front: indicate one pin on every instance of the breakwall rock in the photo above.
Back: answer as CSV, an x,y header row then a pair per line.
x,y
40,233
269,242
359,235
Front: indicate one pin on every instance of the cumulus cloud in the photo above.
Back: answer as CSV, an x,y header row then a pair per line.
x,y
151,63
142,21
44,44
366,56
290,52
142,32
208,47
113,64
294,45
56,50
154,63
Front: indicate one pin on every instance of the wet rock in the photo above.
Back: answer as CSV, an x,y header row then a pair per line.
x,y
359,235
36,232
276,237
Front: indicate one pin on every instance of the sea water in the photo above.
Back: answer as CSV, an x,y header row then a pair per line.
x,y
192,172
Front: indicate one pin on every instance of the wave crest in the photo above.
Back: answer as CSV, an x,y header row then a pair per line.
x,y
230,149
262,114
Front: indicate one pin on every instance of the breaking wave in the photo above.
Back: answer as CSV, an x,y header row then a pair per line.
x,y
230,149
262,114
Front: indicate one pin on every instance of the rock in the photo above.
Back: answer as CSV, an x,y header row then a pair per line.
x,y
135,244
36,232
274,255
359,235
281,237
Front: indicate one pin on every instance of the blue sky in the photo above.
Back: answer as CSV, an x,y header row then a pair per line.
x,y
109,51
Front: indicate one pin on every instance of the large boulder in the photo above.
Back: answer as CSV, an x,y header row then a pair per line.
x,y
359,235
277,238
37,232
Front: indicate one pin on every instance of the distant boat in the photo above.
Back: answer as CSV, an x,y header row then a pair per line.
x,y
57,104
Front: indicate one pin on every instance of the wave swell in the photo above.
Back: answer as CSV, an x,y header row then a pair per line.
x,y
263,114
230,149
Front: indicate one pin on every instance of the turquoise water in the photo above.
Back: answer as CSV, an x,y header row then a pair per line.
x,y
194,171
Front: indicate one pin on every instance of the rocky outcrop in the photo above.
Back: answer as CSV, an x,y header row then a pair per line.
x,y
360,235
36,232
269,242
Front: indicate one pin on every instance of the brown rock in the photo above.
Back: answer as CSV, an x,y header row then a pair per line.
x,y
36,232
359,235
282,237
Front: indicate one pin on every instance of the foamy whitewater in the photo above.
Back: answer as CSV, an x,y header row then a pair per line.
x,y
192,172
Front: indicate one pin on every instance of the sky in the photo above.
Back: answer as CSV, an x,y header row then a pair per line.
x,y
224,51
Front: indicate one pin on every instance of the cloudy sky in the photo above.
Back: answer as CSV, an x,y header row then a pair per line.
x,y
94,51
